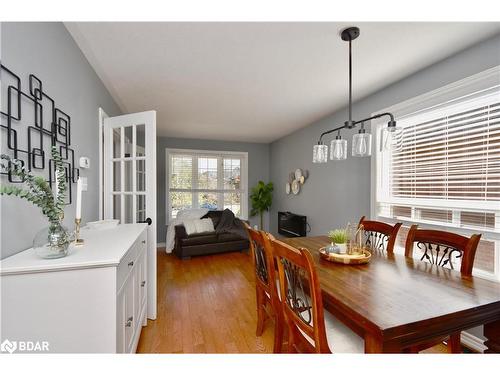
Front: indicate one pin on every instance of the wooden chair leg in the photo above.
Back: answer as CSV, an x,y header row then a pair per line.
x,y
454,344
261,314
278,333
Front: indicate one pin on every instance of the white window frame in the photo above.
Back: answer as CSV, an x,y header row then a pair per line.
x,y
200,153
475,86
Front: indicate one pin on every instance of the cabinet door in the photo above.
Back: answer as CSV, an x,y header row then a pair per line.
x,y
129,311
137,291
120,323
144,278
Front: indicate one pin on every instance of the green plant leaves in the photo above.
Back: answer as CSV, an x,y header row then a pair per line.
x,y
261,198
38,190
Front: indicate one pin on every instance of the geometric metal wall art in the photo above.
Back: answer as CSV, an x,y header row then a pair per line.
x,y
31,124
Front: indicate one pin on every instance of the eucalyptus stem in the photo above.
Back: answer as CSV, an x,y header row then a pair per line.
x,y
37,190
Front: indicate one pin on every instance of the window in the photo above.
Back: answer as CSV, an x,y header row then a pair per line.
x,y
447,175
207,179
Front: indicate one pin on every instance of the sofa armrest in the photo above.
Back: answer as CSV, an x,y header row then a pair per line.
x,y
180,232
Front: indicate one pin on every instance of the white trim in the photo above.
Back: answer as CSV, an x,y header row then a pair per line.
x,y
190,152
101,116
464,88
472,342
148,119
204,152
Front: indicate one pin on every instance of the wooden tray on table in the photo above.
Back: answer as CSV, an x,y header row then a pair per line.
x,y
360,258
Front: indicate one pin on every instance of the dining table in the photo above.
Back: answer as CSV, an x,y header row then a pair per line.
x,y
396,302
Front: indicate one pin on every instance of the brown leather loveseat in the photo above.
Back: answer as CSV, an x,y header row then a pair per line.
x,y
207,243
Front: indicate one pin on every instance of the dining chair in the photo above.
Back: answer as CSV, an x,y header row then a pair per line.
x,y
443,249
268,303
380,236
311,329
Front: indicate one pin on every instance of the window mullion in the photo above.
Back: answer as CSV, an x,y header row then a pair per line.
x,y
220,182
194,185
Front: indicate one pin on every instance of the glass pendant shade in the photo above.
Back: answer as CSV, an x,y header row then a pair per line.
x,y
320,153
392,139
362,144
338,149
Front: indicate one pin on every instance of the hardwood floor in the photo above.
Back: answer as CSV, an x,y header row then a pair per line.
x,y
207,305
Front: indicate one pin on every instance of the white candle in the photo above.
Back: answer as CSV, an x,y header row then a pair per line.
x,y
78,199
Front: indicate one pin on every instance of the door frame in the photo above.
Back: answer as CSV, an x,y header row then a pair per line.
x,y
148,118
102,115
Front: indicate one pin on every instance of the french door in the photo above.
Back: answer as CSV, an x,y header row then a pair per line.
x,y
129,173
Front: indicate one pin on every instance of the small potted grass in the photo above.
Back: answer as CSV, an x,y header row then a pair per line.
x,y
338,237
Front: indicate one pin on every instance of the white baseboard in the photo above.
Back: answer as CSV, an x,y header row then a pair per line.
x,y
472,342
161,244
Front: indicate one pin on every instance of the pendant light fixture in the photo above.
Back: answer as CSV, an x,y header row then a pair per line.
x,y
338,148
362,141
392,138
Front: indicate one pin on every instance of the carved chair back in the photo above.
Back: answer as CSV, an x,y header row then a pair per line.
x,y
442,248
301,299
263,262
380,236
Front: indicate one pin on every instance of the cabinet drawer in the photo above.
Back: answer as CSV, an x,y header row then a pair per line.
x,y
130,259
130,316
142,242
144,275
126,265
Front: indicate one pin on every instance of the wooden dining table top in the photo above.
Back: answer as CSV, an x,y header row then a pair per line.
x,y
397,297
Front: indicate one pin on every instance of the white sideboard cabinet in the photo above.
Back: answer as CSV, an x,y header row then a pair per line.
x,y
92,301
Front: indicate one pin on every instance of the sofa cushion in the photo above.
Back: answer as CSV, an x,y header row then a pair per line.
x,y
198,226
199,239
228,237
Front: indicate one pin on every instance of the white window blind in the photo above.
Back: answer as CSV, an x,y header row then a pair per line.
x,y
206,179
448,170
452,154
447,174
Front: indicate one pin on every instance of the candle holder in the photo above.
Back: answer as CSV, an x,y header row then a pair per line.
x,y
78,241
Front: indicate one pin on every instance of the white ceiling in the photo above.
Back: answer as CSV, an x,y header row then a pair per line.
x,y
256,81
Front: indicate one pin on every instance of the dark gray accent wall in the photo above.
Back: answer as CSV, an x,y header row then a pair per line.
x,y
339,192
258,169
48,51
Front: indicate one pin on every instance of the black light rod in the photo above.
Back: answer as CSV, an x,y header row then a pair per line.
x,y
357,123
350,81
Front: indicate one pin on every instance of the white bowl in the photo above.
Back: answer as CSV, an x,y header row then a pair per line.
x,y
103,224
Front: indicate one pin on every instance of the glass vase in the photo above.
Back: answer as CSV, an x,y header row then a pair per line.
x,y
52,242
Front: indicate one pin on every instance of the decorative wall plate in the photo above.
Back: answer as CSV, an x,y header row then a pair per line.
x,y
295,187
291,177
298,173
302,180
287,188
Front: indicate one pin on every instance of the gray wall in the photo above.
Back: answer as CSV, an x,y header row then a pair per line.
x,y
48,51
258,169
338,192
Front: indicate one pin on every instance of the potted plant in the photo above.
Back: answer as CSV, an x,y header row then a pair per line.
x,y
52,241
338,237
261,198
